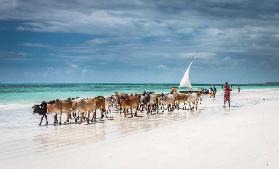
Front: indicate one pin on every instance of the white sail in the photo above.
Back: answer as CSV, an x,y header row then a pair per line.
x,y
185,81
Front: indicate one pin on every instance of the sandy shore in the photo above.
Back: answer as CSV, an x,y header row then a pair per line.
x,y
246,136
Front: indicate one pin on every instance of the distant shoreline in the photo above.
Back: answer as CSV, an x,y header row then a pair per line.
x,y
194,84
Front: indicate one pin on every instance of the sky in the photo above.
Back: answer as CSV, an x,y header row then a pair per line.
x,y
138,41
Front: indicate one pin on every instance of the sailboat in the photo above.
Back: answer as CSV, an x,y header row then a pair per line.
x,y
185,81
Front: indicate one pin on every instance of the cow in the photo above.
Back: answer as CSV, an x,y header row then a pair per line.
x,y
84,107
41,110
59,107
153,102
193,98
144,102
168,99
180,97
131,102
101,105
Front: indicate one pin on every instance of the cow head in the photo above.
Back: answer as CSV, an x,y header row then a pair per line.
x,y
36,109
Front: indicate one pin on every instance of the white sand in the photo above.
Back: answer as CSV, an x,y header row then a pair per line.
x,y
245,137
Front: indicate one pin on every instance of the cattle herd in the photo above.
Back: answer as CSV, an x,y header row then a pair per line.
x,y
85,109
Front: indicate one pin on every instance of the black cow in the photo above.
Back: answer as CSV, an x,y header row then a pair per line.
x,y
41,110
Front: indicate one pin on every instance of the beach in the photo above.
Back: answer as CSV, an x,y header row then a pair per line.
x,y
243,136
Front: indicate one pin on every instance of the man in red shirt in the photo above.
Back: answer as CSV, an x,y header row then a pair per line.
x,y
227,95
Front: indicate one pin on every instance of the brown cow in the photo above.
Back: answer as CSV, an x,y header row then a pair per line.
x,y
131,102
180,97
84,107
59,107
101,105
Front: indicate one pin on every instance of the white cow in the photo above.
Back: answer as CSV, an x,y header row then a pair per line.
x,y
167,99
193,98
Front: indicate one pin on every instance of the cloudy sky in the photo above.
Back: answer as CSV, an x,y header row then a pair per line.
x,y
139,40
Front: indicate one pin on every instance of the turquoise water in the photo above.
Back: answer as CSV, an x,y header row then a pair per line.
x,y
32,93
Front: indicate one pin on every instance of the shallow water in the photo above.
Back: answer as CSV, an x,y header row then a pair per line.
x,y
22,138
35,93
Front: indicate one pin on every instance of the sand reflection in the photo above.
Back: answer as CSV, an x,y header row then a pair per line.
x,y
53,138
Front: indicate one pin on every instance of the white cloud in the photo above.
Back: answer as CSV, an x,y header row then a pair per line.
x,y
162,67
84,71
196,55
73,66
35,45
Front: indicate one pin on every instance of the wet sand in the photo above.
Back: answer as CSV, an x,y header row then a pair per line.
x,y
244,136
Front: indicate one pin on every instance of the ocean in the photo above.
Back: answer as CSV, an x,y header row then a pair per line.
x,y
25,93
23,141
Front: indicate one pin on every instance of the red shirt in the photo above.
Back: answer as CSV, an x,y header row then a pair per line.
x,y
227,90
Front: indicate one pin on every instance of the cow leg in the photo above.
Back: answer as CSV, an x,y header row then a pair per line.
x,y
68,118
60,119
55,119
46,119
157,108
104,111
193,106
168,107
136,113
76,119
94,116
184,106
150,109
80,116
88,117
102,115
41,120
